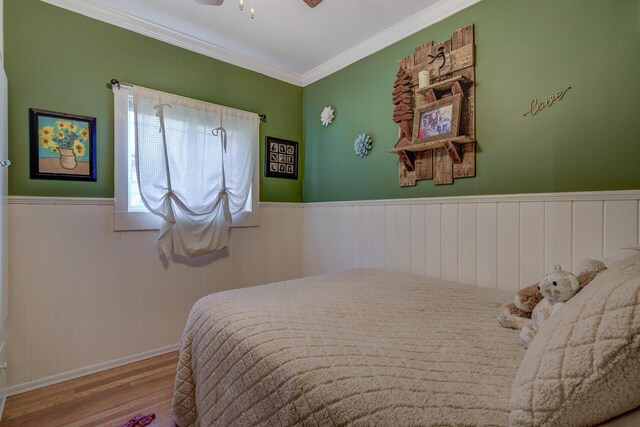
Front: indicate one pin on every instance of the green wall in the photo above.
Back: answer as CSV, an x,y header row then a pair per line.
x,y
61,61
524,48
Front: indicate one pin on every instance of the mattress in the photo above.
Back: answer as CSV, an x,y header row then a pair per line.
x,y
363,347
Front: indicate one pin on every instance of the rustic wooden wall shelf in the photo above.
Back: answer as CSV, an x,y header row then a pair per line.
x,y
440,143
451,66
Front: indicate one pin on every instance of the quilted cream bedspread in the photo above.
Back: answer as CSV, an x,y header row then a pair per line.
x,y
364,347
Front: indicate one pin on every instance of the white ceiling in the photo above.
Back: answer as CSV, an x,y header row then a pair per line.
x,y
287,39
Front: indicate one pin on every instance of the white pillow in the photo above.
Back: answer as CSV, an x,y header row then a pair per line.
x,y
620,255
583,366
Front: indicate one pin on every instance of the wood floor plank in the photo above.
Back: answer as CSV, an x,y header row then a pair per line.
x,y
22,400
106,398
137,376
141,371
162,409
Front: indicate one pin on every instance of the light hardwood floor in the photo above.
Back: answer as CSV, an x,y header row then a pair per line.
x,y
108,398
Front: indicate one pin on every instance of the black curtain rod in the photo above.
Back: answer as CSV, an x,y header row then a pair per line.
x,y
118,84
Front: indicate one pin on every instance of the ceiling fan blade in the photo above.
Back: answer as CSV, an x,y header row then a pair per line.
x,y
313,3
210,2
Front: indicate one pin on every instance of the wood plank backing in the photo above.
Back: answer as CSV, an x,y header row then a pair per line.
x,y
420,55
424,165
443,167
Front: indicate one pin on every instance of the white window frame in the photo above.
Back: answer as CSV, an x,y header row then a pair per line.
x,y
126,220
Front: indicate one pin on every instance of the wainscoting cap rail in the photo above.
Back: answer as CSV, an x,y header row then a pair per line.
x,y
36,200
99,201
281,205
496,198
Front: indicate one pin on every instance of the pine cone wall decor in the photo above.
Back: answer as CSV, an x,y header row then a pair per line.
x,y
403,100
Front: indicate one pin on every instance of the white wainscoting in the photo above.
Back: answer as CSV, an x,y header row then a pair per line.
x,y
506,242
82,295
84,298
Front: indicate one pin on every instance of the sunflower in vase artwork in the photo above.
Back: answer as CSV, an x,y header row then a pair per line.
x,y
67,139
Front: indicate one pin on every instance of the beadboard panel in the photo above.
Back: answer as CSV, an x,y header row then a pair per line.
x,y
505,242
82,294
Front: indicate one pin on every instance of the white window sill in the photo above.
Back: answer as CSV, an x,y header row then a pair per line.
x,y
138,221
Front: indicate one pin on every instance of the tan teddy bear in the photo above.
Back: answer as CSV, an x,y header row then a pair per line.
x,y
518,313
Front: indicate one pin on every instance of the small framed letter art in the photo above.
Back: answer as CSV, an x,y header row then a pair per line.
x,y
63,146
282,158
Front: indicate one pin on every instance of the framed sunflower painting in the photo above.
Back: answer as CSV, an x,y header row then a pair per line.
x,y
63,146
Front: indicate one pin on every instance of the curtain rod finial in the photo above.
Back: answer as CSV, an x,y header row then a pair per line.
x,y
263,117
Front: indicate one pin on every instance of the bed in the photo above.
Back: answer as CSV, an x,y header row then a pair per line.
x,y
363,347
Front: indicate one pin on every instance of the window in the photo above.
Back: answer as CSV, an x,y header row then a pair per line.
x,y
130,211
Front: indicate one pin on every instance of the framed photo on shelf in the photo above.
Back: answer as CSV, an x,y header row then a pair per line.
x,y
63,146
281,158
437,120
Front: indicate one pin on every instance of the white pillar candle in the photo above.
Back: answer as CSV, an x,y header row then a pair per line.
x,y
423,79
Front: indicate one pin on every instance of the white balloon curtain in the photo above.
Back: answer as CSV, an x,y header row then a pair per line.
x,y
195,163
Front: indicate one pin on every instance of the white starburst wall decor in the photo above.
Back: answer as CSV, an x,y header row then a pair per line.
x,y
327,116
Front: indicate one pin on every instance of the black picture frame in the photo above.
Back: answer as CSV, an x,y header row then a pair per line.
x,y
281,158
76,161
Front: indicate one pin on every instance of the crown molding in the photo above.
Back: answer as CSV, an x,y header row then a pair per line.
x,y
176,38
427,17
393,34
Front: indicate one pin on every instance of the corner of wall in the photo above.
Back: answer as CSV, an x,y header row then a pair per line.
x,y
1,30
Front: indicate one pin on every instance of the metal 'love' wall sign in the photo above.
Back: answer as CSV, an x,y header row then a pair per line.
x,y
537,106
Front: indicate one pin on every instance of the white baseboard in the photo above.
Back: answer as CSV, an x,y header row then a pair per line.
x,y
76,373
3,400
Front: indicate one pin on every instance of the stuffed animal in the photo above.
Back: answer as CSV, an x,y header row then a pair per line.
x,y
557,287
526,299
518,313
588,269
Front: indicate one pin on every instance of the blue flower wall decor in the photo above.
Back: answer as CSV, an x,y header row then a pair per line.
x,y
362,145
